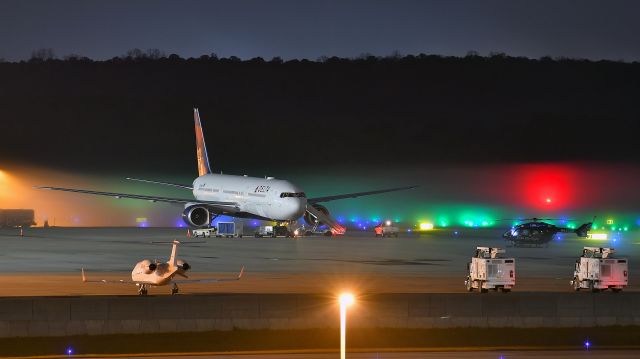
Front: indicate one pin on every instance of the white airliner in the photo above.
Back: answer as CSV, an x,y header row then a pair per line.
x,y
147,273
240,196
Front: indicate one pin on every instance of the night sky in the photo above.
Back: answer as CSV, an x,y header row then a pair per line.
x,y
309,29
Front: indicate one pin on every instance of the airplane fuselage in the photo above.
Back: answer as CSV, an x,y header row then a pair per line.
x,y
264,198
161,275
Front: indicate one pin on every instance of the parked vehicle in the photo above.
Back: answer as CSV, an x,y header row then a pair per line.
x,y
597,270
488,270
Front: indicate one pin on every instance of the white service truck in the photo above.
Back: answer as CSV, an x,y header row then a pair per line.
x,y
386,229
596,270
203,232
488,270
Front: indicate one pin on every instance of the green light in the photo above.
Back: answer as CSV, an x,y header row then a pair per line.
x,y
613,228
485,223
626,229
594,226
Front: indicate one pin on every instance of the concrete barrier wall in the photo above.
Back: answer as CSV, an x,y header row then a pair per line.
x,y
62,316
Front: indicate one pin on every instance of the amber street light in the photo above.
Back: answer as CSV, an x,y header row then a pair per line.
x,y
345,299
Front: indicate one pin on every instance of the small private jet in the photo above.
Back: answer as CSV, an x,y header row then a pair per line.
x,y
147,273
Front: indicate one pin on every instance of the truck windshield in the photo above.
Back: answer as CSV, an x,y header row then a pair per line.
x,y
293,194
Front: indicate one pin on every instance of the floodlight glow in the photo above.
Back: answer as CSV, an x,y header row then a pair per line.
x,y
426,226
345,299
388,223
597,236
548,200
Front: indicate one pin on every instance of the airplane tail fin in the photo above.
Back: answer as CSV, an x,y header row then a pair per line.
x,y
173,259
583,229
201,148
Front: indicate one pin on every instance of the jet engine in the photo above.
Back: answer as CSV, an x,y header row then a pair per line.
x,y
148,266
196,216
183,265
311,220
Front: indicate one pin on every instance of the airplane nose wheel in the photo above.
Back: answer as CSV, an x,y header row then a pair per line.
x,y
174,290
142,290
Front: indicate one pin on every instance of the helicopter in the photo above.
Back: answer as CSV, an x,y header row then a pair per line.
x,y
538,233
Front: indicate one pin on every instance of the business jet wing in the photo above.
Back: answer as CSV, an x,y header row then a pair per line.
x,y
121,281
210,280
222,206
357,194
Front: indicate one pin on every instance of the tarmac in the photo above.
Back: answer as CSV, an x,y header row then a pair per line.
x,y
47,262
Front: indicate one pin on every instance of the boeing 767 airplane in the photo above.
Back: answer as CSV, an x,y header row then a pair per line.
x,y
240,196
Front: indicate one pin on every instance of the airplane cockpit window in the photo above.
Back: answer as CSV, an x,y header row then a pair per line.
x,y
293,194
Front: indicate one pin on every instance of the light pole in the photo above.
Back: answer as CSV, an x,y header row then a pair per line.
x,y
346,299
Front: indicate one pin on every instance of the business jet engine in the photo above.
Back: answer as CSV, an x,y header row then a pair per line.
x,y
148,266
310,219
183,265
196,216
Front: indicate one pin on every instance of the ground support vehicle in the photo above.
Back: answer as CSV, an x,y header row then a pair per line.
x,y
488,270
597,270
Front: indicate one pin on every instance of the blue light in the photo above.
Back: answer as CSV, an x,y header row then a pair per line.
x,y
587,344
69,351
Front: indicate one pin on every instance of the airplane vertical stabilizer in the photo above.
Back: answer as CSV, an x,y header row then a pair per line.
x,y
201,148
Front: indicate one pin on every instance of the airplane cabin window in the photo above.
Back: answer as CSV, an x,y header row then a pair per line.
x,y
293,194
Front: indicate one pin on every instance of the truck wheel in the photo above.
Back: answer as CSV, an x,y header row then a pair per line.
x,y
576,284
469,285
480,289
592,286
505,290
616,290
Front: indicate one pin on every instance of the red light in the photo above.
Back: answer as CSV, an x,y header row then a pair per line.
x,y
548,200
511,274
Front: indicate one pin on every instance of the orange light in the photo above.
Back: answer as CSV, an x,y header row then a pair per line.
x,y
346,299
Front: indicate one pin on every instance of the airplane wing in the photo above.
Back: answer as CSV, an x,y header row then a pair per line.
x,y
209,280
121,281
222,206
161,183
357,194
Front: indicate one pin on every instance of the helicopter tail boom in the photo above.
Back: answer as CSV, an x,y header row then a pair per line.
x,y
583,229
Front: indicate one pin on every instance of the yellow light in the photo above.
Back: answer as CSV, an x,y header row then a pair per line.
x,y
609,221
597,236
141,219
426,226
345,299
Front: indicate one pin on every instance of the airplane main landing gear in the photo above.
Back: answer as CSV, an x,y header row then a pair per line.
x,y
142,290
174,290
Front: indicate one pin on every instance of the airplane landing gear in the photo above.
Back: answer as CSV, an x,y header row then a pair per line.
x,y
174,290
142,290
